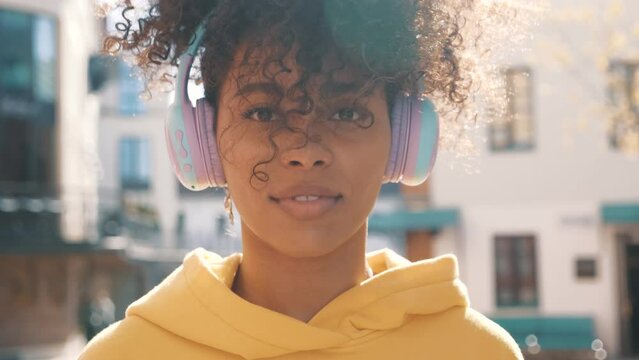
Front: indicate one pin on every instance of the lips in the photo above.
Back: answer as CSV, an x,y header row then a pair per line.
x,y
306,202
305,190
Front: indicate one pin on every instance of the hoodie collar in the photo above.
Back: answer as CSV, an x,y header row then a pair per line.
x,y
196,302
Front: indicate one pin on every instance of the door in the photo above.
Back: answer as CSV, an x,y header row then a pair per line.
x,y
628,247
632,283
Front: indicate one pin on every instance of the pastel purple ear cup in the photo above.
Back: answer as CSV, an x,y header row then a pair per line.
x,y
190,132
414,140
194,155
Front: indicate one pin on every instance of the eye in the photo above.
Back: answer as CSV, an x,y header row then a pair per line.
x,y
346,114
262,114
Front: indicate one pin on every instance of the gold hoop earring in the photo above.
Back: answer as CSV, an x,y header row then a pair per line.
x,y
228,207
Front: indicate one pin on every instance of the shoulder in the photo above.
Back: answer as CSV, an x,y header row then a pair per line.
x,y
485,331
464,333
125,339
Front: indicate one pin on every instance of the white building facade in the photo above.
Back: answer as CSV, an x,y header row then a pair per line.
x,y
137,176
549,222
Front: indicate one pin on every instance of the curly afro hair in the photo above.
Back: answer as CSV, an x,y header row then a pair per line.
x,y
411,46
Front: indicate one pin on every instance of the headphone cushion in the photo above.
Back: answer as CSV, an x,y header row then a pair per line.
x,y
414,140
423,142
399,122
206,128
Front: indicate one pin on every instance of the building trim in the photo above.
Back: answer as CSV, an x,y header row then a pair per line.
x,y
627,213
404,220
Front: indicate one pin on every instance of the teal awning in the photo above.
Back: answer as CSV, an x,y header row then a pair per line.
x,y
403,220
551,332
620,213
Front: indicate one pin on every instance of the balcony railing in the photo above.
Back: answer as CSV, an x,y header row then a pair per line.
x,y
35,216
29,212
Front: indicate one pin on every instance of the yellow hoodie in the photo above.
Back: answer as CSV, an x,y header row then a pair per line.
x,y
405,311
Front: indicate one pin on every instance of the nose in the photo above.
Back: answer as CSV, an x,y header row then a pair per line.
x,y
305,151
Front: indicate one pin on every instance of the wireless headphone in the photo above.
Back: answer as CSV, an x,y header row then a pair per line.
x,y
193,150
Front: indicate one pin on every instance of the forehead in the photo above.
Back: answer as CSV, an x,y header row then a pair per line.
x,y
276,69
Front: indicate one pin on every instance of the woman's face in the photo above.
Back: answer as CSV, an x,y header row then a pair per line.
x,y
323,169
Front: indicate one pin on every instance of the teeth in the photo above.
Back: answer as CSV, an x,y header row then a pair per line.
x,y
305,198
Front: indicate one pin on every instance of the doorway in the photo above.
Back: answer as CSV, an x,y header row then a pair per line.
x,y
629,291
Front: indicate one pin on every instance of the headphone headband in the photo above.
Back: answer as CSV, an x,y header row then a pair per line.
x,y
186,61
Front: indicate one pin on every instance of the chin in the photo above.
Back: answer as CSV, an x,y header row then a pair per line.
x,y
309,243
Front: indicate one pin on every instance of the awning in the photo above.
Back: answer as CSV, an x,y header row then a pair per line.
x,y
550,332
620,213
403,220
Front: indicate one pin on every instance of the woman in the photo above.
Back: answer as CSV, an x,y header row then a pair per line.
x,y
309,107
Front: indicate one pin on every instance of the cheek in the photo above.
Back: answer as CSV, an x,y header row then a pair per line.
x,y
244,153
372,145
365,155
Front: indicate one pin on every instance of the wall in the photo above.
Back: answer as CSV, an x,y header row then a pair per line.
x,y
76,112
556,190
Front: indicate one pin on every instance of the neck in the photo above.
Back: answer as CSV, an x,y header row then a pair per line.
x,y
298,287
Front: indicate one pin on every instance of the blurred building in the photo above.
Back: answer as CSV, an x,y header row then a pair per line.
x,y
48,189
547,230
69,239
135,165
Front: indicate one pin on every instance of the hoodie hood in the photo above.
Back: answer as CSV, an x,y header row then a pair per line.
x,y
196,302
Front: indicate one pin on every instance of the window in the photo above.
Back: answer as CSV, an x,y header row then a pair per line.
x,y
514,129
127,78
130,87
623,92
28,95
515,271
586,268
134,163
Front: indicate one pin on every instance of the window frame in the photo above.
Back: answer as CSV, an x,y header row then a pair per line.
x,y
630,85
516,278
507,121
138,184
49,186
130,86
